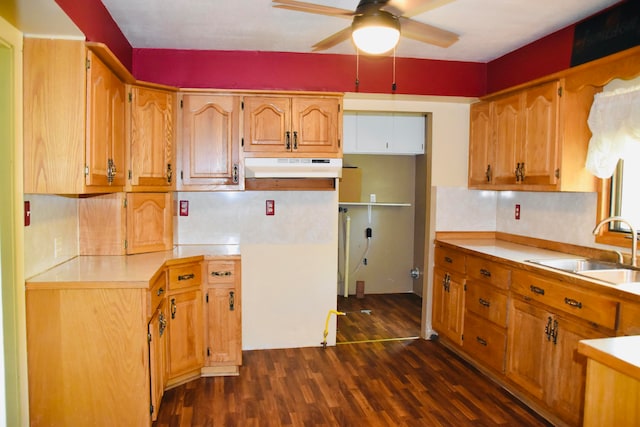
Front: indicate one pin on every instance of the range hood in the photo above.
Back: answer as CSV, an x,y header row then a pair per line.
x,y
261,167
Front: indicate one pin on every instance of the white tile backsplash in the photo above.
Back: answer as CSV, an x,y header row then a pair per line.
x,y
460,209
52,237
239,217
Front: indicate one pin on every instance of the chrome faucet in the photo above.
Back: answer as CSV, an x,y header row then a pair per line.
x,y
634,235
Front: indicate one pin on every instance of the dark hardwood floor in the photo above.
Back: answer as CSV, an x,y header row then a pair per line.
x,y
379,316
410,382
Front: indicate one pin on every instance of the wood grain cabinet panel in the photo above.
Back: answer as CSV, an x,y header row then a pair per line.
x,y
74,140
283,126
151,136
481,147
210,152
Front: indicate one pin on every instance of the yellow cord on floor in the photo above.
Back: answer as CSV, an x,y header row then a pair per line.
x,y
326,325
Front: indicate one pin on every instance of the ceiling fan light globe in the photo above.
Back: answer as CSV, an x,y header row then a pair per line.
x,y
375,39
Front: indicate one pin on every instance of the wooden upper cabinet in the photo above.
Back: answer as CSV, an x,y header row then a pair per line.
x,y
74,99
151,138
276,126
481,163
506,123
210,152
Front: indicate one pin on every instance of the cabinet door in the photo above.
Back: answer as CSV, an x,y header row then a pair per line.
x,y
538,149
267,124
149,222
480,145
157,357
316,126
408,134
105,125
151,138
527,356
210,140
184,345
566,378
223,328
374,133
448,304
506,122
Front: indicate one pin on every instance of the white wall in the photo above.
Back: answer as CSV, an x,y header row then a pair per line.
x,y
289,260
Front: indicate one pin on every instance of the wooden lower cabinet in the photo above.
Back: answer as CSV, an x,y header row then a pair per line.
x,y
184,341
542,357
87,353
157,357
448,304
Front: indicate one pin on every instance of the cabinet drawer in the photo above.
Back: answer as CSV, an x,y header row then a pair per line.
x,y
157,291
449,259
486,302
588,306
489,272
221,271
185,276
485,341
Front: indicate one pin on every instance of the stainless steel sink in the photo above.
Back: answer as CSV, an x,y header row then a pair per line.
x,y
617,276
576,265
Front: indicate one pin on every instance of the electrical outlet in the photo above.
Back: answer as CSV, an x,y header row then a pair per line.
x,y
270,208
517,213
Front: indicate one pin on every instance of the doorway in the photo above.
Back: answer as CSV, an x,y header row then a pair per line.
x,y
387,247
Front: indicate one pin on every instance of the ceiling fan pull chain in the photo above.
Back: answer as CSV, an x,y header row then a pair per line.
x,y
357,69
393,84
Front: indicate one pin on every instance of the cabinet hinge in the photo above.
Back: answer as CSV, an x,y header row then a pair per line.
x,y
88,64
465,287
206,297
124,203
151,409
181,175
242,105
339,142
126,244
86,170
560,91
130,174
242,142
462,337
181,104
208,352
148,337
130,97
557,173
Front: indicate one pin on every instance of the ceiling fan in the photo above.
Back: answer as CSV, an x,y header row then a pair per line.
x,y
378,24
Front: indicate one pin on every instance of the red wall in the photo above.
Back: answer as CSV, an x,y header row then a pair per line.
x,y
94,20
315,72
321,72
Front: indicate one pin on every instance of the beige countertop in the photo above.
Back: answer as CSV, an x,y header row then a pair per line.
x,y
519,253
125,270
619,353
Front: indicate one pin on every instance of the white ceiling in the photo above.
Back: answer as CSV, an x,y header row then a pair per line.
x,y
488,29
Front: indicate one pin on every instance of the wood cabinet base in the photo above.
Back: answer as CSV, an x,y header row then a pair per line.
x,y
220,371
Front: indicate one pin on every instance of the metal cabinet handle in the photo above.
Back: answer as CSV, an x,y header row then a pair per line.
x,y
485,273
221,273
169,173
448,260
173,308
484,302
573,303
488,173
548,328
481,341
295,140
536,290
232,301
162,323
235,173
186,276
160,291
111,171
287,140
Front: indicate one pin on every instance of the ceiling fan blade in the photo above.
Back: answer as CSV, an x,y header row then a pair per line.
x,y
408,8
332,40
426,33
318,9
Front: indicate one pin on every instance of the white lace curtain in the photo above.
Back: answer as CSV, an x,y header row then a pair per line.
x,y
614,121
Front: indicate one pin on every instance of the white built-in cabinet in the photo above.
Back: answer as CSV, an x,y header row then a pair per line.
x,y
383,133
